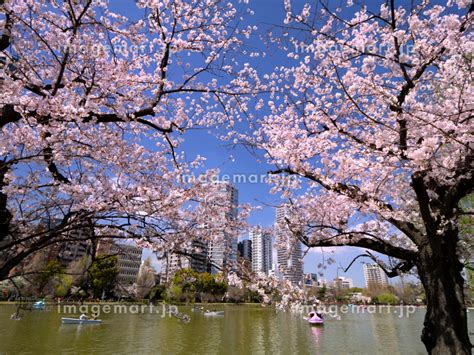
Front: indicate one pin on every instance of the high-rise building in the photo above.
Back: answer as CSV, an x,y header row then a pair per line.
x,y
374,275
129,260
342,283
223,249
194,256
245,249
275,272
289,255
261,250
75,244
79,245
311,279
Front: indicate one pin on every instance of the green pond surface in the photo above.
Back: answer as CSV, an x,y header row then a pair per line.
x,y
244,329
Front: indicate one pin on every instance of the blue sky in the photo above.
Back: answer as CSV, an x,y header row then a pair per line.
x,y
205,143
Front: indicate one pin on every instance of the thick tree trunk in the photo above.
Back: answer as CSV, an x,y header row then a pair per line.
x,y
445,327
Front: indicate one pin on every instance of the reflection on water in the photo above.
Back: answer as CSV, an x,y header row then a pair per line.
x,y
243,329
317,333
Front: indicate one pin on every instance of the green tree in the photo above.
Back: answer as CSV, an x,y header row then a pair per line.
x,y
322,292
102,274
157,293
45,277
173,293
183,286
63,285
211,288
191,284
386,298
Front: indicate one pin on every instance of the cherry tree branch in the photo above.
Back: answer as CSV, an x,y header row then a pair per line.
x,y
400,268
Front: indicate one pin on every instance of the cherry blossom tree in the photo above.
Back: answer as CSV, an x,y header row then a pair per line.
x,y
372,118
145,279
93,107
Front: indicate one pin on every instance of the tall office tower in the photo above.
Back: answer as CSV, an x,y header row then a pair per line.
x,y
79,245
289,256
245,249
261,250
194,257
77,242
223,249
374,275
75,245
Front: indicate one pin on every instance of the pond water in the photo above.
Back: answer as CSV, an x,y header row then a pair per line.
x,y
244,329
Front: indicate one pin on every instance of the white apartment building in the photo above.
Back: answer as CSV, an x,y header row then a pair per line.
x,y
261,250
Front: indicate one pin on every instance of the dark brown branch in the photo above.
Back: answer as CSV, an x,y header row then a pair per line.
x,y
357,195
353,240
423,199
351,191
410,82
399,268
52,168
464,185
